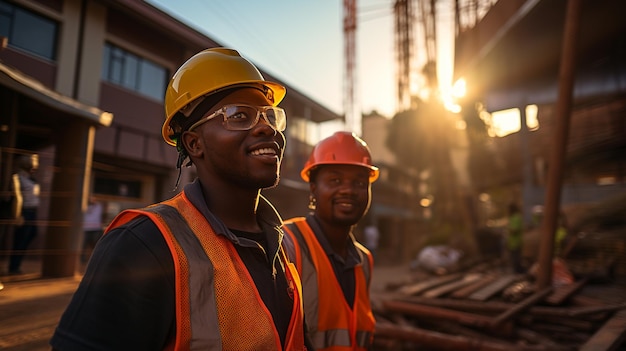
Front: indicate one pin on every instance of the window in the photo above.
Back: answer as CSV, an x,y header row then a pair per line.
x,y
133,72
28,31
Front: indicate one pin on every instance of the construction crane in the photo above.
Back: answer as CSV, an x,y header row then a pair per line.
x,y
427,11
404,12
469,12
352,115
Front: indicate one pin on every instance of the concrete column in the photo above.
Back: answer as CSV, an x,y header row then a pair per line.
x,y
72,165
9,111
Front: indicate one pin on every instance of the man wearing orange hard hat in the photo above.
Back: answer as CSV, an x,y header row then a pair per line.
x,y
334,267
206,269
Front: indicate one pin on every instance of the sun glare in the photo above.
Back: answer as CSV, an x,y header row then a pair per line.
x,y
459,89
451,94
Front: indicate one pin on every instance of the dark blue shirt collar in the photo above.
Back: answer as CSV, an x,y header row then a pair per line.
x,y
352,259
267,216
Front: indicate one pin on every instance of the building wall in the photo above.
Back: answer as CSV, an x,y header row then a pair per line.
x,y
375,133
129,163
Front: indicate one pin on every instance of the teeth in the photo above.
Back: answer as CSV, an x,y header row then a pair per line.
x,y
264,151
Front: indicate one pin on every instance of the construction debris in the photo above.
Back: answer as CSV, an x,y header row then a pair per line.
x,y
485,308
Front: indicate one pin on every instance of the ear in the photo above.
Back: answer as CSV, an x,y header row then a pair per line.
x,y
192,143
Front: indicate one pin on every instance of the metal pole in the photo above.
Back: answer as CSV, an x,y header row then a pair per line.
x,y
561,130
527,168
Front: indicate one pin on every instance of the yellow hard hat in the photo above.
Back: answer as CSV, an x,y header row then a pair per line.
x,y
210,71
341,148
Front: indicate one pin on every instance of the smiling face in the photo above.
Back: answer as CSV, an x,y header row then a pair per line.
x,y
241,158
342,193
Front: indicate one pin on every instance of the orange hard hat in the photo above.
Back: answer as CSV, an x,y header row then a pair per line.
x,y
341,148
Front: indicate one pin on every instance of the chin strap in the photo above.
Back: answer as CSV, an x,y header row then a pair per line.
x,y
182,156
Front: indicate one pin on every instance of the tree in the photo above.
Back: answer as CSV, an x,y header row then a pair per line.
x,y
421,139
481,159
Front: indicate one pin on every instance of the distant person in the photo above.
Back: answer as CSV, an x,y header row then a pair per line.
x,y
92,227
514,238
205,269
560,235
26,192
371,237
536,216
335,268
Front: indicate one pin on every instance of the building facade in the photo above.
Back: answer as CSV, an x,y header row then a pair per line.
x,y
512,58
82,86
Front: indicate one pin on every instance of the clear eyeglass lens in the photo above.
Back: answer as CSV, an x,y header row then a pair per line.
x,y
240,117
277,118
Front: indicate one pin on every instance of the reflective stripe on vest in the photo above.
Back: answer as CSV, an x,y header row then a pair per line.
x,y
332,323
231,304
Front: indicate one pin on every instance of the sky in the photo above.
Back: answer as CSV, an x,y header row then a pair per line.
x,y
301,43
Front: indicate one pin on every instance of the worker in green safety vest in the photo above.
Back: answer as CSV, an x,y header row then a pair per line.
x,y
514,238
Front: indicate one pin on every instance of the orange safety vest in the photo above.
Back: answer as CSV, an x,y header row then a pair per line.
x,y
231,304
332,323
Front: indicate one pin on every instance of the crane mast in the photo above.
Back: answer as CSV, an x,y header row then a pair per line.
x,y
427,16
403,14
352,113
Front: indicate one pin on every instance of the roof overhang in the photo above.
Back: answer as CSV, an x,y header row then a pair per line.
x,y
33,89
514,52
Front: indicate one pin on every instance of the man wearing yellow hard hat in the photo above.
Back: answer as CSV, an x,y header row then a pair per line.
x,y
335,268
204,270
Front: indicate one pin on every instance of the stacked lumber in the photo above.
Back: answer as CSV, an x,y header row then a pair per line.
x,y
488,309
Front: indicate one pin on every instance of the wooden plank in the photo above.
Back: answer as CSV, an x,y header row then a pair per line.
x,y
574,323
494,288
609,336
469,289
488,307
414,289
441,341
437,313
522,306
564,292
585,311
446,288
536,338
499,307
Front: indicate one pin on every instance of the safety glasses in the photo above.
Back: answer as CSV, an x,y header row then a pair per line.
x,y
245,117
